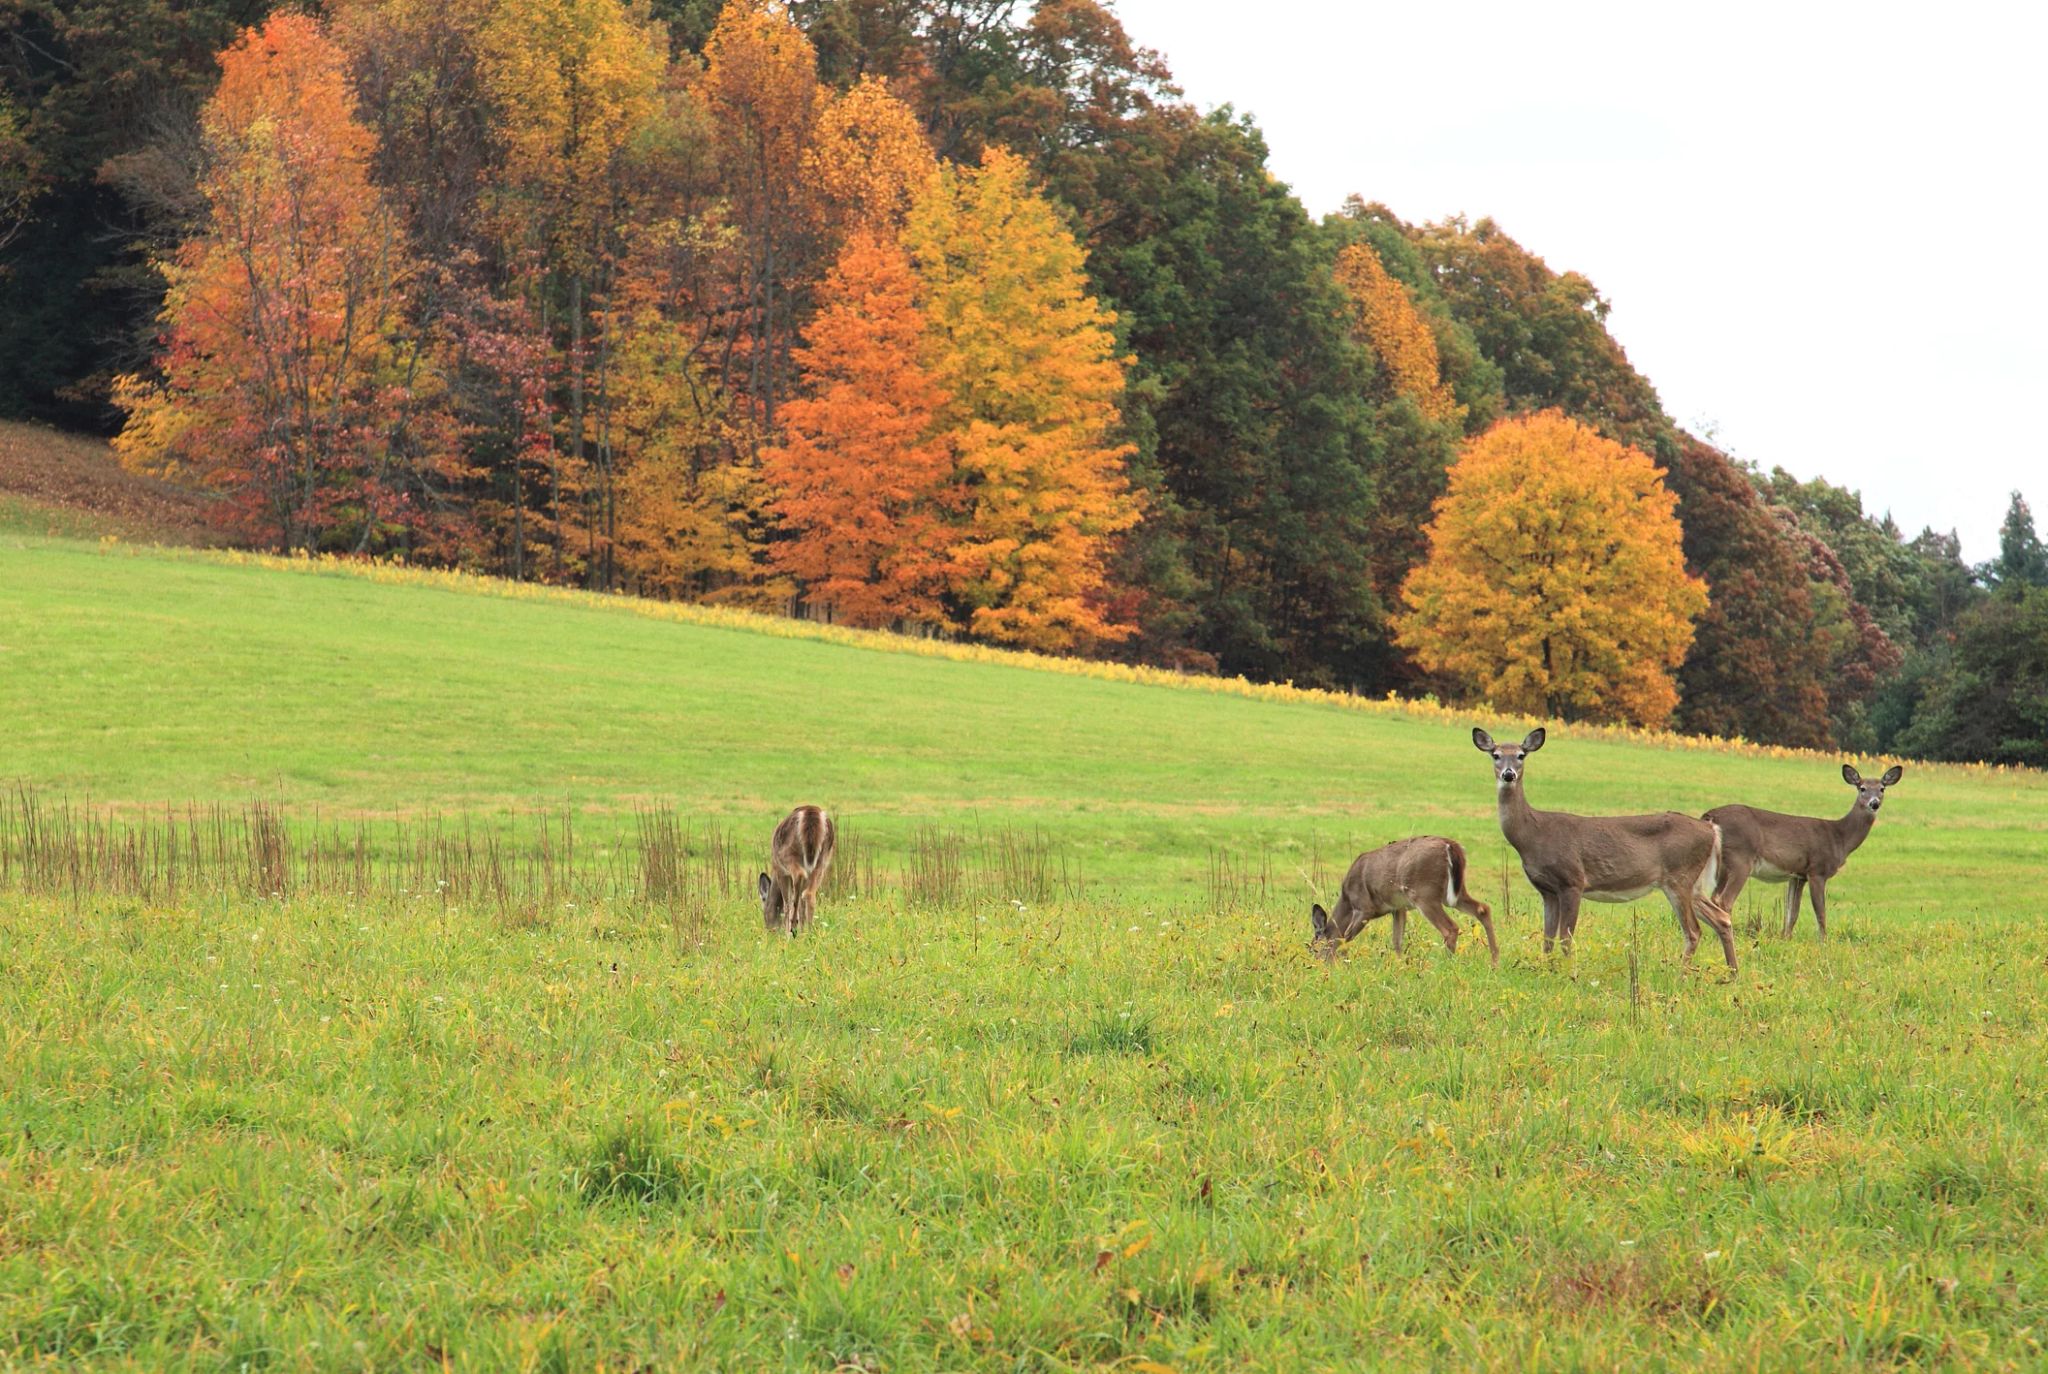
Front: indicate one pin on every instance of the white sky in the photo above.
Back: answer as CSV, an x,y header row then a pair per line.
x,y
1820,225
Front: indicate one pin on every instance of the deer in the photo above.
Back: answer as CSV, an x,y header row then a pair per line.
x,y
799,856
1802,852
1570,858
1426,873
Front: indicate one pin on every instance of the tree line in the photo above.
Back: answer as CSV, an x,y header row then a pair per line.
x,y
944,314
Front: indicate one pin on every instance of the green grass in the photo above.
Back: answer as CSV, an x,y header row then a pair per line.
x,y
1130,1127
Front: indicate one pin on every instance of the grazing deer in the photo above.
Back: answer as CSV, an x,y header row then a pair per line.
x,y
799,856
1607,858
1425,873
1799,851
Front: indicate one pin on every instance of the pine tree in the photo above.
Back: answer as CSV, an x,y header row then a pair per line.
x,y
2021,561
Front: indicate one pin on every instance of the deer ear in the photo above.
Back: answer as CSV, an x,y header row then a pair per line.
x,y
1482,740
1851,776
1892,775
1533,740
1320,919
762,886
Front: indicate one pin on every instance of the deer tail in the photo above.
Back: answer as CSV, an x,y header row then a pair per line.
x,y
1710,876
814,837
1454,876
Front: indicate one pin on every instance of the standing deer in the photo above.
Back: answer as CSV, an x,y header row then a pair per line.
x,y
1607,858
799,856
1425,873
1799,851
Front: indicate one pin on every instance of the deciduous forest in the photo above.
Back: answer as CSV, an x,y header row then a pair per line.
x,y
946,315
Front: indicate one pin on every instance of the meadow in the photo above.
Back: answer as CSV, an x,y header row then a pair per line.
x,y
1119,1118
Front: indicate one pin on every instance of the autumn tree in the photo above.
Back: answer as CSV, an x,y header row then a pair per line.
x,y
1555,581
1545,330
286,382
1388,323
1760,665
1247,401
861,477
760,86
692,503
570,83
870,159
1026,365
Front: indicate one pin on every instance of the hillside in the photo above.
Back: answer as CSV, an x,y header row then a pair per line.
x,y
1128,1122
55,483
167,678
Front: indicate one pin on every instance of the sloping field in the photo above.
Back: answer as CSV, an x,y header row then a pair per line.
x,y
1132,1123
52,483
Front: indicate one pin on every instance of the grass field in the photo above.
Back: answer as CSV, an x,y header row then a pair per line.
x,y
1134,1125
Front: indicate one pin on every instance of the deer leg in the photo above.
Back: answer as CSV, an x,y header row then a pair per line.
x,y
1724,927
1568,917
1734,873
1482,913
1681,900
1441,919
1400,930
1549,920
1820,904
1792,891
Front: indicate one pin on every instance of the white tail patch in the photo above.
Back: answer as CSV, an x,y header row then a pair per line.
x,y
1450,876
1710,876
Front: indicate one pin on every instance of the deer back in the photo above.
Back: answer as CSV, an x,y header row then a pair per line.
x,y
1803,846
802,842
1390,877
1614,853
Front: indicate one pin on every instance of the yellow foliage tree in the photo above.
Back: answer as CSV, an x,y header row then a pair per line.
x,y
871,159
692,505
760,88
1027,365
572,81
1555,582
1398,336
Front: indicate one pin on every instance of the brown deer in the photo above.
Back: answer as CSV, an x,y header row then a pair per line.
x,y
1607,858
1426,873
799,856
1798,851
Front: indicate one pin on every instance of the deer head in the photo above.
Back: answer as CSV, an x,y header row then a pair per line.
x,y
1870,795
1508,759
772,898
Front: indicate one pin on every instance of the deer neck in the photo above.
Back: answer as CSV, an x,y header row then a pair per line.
x,y
1517,817
1854,828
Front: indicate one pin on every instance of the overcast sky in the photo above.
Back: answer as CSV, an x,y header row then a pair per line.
x,y
1820,226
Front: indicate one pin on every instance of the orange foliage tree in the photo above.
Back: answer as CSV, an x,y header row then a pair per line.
x,y
1555,582
287,381
1399,337
860,476
1027,364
